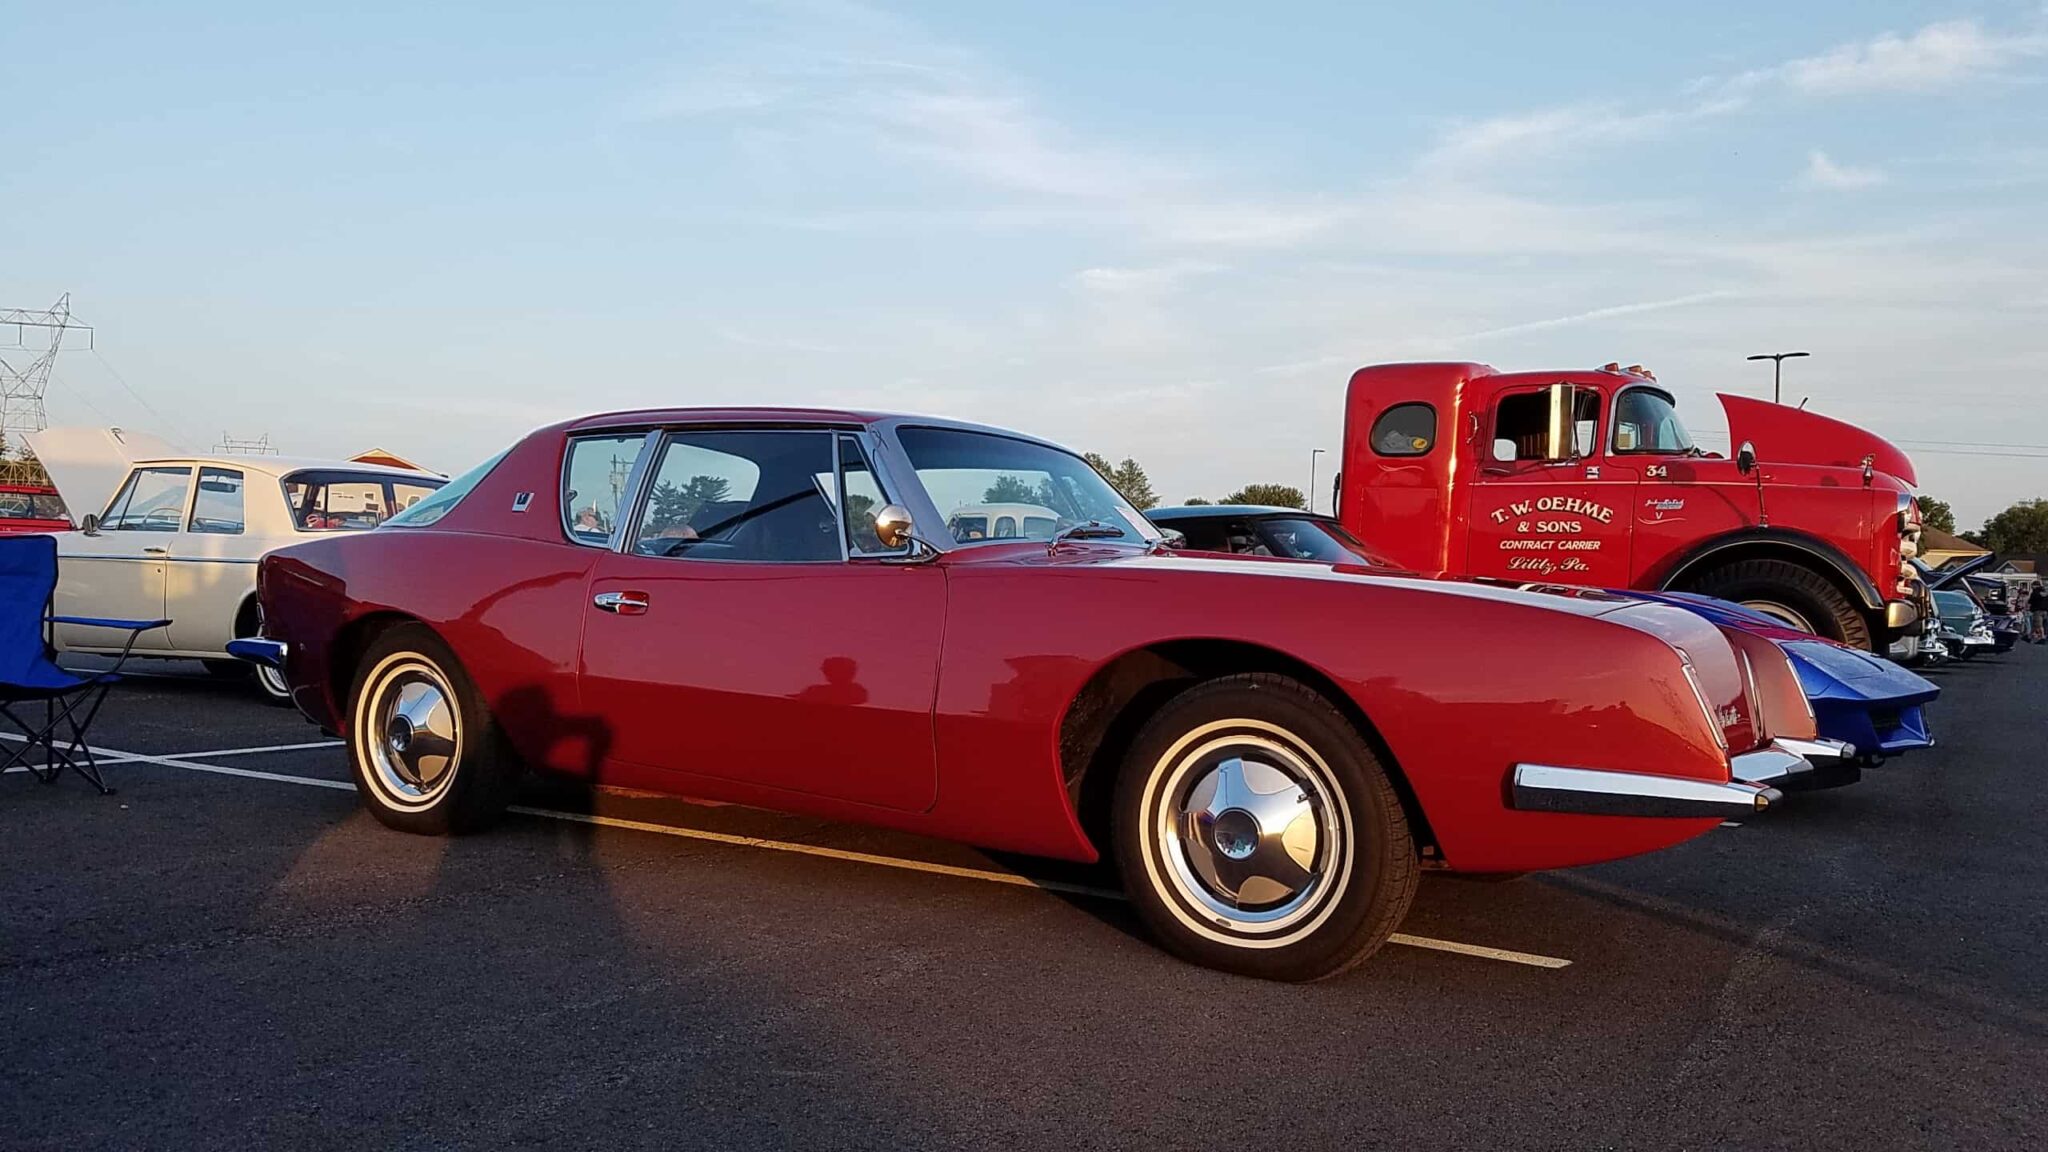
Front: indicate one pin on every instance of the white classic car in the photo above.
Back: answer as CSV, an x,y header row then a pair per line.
x,y
178,536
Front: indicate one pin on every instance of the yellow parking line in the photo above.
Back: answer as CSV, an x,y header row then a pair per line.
x,y
1479,951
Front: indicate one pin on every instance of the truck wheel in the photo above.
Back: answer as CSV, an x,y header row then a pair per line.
x,y
1257,833
426,753
1797,595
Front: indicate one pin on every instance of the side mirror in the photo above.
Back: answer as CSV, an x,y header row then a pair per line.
x,y
1745,458
893,525
91,524
1173,538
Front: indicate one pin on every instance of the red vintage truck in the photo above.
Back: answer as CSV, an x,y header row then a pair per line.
x,y
1589,477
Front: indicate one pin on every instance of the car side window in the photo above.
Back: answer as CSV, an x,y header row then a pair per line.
x,y
756,495
594,476
153,500
1405,430
218,506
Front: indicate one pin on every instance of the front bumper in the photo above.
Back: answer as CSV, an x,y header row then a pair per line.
x,y
1598,792
1900,615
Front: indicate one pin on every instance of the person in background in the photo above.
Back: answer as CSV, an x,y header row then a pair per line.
x,y
2038,603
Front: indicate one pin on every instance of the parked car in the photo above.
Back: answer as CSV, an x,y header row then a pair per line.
x,y
1860,701
1965,628
178,537
32,508
780,616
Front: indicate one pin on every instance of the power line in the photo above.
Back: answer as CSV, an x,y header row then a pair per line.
x,y
161,420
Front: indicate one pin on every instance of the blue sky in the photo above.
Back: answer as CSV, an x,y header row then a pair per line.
x,y
1166,230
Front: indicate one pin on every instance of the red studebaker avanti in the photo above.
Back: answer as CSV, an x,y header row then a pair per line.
x,y
778,608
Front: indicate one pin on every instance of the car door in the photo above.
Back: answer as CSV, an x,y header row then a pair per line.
x,y
740,627
211,568
118,570
1545,505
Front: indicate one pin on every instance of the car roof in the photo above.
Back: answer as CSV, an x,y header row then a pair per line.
x,y
285,465
1239,511
823,417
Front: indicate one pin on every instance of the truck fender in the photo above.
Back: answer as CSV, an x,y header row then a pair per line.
x,y
1814,550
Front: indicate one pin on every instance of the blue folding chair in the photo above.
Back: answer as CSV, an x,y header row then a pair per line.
x,y
29,673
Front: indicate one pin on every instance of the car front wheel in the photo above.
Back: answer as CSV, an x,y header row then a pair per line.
x,y
1257,832
426,753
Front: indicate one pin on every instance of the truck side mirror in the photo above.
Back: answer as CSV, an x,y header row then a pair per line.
x,y
1745,458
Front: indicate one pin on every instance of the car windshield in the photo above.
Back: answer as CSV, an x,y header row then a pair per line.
x,y
992,488
1311,539
351,501
1645,420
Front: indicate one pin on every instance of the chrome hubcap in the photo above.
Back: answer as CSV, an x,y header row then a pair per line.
x,y
414,733
1248,833
1791,618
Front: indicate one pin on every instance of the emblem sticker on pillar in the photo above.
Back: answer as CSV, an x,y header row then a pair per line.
x,y
520,501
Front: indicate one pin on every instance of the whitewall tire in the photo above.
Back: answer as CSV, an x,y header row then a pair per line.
x,y
426,753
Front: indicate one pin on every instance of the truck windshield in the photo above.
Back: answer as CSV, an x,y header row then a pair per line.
x,y
1646,420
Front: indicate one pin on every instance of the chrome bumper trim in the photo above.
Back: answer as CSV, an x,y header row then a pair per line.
x,y
1900,614
1595,792
269,653
1819,750
1768,765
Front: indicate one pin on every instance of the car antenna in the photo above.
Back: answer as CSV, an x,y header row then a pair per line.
x,y
1802,402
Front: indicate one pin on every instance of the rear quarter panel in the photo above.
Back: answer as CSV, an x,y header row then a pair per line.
x,y
1459,685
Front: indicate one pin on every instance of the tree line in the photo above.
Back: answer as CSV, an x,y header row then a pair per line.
x,y
1129,479
2022,527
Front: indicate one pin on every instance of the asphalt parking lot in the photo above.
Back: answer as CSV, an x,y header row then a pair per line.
x,y
230,953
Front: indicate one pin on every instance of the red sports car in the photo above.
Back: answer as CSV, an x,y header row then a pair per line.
x,y
966,632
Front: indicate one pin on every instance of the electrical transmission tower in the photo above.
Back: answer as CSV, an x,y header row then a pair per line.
x,y
244,446
38,334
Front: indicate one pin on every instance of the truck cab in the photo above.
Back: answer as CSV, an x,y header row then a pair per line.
x,y
1590,477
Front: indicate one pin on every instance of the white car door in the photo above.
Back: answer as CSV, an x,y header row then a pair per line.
x,y
212,564
118,571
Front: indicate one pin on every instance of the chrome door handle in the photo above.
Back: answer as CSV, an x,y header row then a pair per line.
x,y
622,603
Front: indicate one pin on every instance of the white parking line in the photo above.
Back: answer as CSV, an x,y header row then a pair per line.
x,y
190,764
256,751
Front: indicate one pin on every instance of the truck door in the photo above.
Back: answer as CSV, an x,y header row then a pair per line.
x,y
1546,504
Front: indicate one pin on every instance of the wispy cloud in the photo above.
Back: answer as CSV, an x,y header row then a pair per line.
x,y
1608,313
1822,172
1937,56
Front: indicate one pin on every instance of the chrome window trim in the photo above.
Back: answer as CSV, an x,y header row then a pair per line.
x,y
631,496
861,443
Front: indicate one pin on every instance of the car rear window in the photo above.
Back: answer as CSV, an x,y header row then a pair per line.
x,y
430,508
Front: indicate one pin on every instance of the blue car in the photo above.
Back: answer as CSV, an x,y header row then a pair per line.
x,y
1860,700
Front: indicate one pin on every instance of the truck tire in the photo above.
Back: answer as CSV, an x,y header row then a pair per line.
x,y
1257,833
1793,593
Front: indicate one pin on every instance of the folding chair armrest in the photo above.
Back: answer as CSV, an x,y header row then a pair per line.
x,y
103,622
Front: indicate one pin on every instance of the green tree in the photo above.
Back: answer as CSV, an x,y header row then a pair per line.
x,y
2020,528
670,505
1936,514
1277,495
1130,479
1101,464
1010,489
1196,501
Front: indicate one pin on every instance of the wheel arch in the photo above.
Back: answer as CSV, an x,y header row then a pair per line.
x,y
1786,544
1104,717
346,650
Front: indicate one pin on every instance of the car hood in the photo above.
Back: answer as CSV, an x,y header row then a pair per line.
x,y
1783,435
86,464
1829,671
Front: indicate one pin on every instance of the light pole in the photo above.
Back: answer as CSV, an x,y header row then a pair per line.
x,y
1313,453
1777,360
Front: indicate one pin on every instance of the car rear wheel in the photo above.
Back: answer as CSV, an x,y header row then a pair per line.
x,y
426,753
1798,596
1257,833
